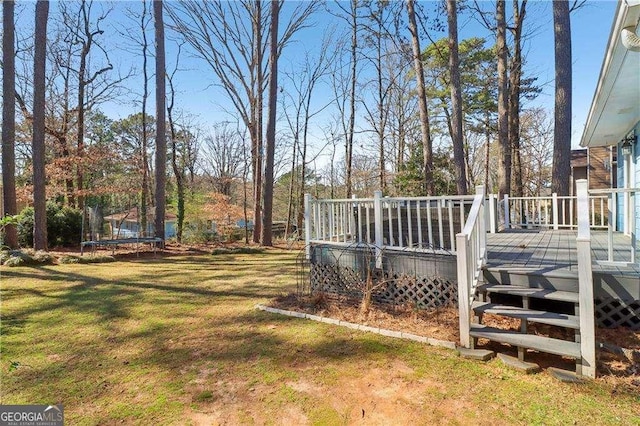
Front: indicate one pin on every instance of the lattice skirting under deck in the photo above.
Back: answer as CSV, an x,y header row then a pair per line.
x,y
390,287
612,313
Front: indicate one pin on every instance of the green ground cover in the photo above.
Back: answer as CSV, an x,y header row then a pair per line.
x,y
177,340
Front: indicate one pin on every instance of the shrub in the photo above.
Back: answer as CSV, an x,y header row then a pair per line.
x,y
197,233
4,256
237,250
70,259
64,226
43,257
15,261
24,258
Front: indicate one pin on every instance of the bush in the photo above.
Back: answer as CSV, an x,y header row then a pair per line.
x,y
14,261
197,233
42,257
235,235
70,259
25,258
64,226
237,250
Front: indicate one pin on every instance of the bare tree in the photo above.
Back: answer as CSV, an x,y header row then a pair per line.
x,y
348,112
178,162
267,213
161,139
71,93
427,148
562,129
144,190
456,99
379,44
235,52
9,121
39,178
299,111
537,149
223,157
84,35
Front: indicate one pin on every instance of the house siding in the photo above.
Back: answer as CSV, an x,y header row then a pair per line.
x,y
620,206
635,181
599,168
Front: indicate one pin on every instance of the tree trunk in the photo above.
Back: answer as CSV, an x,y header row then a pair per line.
x,y
292,185
257,123
80,125
352,98
427,148
144,194
456,99
178,169
266,237
504,150
515,77
562,130
9,121
39,88
161,141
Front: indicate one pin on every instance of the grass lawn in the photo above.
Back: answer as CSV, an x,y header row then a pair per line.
x,y
176,340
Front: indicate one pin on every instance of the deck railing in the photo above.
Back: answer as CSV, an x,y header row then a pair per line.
x,y
552,212
389,223
625,199
471,257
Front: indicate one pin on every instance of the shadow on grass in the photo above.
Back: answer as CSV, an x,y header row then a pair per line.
x,y
111,299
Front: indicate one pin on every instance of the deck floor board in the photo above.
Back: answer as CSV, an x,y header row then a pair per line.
x,y
556,250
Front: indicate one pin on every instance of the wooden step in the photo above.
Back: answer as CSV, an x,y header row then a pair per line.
x,y
539,293
539,343
542,317
549,277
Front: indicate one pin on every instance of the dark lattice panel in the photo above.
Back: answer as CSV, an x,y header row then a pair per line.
x,y
613,313
390,288
334,279
422,292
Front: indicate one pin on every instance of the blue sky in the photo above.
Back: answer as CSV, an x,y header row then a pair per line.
x,y
590,31
199,97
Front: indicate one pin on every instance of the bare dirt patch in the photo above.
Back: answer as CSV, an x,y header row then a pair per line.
x,y
618,358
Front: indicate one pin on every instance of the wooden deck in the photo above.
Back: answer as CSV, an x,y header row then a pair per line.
x,y
548,251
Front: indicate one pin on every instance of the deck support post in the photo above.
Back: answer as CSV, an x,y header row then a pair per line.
x,y
377,214
585,282
507,225
307,225
493,200
464,308
554,197
482,223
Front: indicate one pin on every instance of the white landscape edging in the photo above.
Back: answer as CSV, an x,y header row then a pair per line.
x,y
375,330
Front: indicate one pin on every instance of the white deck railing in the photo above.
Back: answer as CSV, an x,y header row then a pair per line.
x,y
552,212
614,197
389,223
471,257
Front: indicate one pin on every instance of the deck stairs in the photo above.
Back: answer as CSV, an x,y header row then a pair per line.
x,y
531,297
